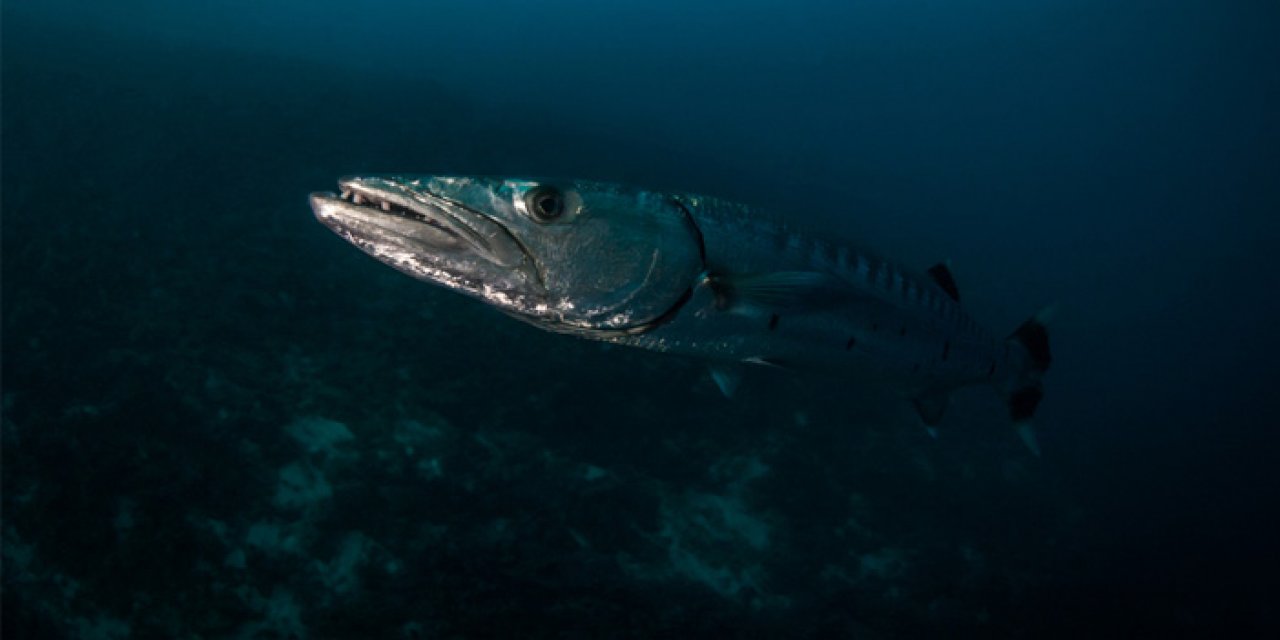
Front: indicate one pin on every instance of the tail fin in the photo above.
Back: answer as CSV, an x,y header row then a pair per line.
x,y
1026,392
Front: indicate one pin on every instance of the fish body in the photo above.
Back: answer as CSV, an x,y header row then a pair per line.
x,y
692,275
839,310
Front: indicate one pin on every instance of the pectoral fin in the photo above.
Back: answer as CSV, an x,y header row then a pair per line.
x,y
727,377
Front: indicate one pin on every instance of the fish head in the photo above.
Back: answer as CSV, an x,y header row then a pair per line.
x,y
572,256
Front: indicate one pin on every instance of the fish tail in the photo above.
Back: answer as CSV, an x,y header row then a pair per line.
x,y
1032,337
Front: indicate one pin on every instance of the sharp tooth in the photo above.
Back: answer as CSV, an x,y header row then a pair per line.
x,y
386,206
346,194
357,198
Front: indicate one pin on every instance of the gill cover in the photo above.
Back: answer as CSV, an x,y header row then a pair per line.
x,y
610,258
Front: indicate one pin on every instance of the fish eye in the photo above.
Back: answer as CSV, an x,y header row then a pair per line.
x,y
545,203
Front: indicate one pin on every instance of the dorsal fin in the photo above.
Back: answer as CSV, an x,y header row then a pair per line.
x,y
1033,335
941,275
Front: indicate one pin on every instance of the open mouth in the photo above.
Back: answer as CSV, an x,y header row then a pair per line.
x,y
361,197
385,209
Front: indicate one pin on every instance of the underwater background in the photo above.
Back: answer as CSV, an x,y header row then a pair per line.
x,y
222,421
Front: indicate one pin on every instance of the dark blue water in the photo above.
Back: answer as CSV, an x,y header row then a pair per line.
x,y
219,420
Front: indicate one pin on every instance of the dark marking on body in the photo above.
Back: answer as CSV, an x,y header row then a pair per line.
x,y
850,344
903,331
773,322
915,368
992,370
946,350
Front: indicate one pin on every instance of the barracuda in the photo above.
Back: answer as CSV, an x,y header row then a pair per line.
x,y
691,275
